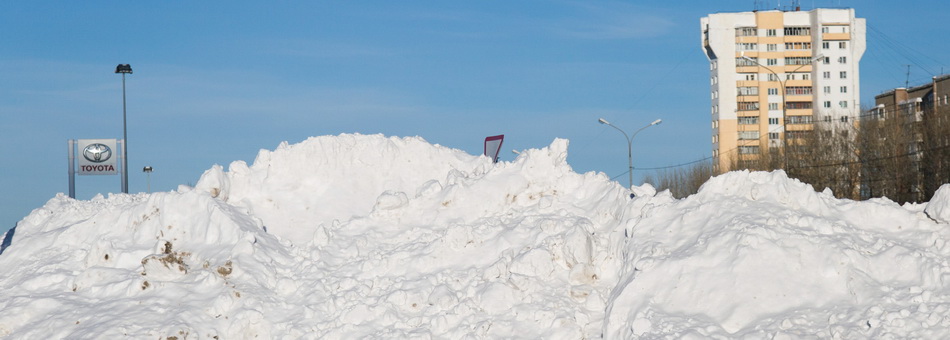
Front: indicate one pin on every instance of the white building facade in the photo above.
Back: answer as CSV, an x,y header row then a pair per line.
x,y
774,74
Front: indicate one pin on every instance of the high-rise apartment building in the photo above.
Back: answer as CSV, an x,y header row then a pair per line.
x,y
773,74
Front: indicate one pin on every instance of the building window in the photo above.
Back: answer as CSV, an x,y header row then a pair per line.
x,y
826,60
749,150
802,30
748,106
844,119
844,89
827,119
748,120
773,77
798,105
843,74
771,61
771,47
773,91
798,120
773,121
748,91
746,32
797,60
773,106
746,46
843,104
842,60
771,32
749,76
795,134
827,89
797,46
748,135
824,29
773,135
825,45
806,76
798,90
747,62
843,45
827,104
826,75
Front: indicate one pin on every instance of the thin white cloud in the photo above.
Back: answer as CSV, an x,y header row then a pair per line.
x,y
321,49
611,20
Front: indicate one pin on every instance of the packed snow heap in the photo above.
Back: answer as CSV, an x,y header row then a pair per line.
x,y
357,236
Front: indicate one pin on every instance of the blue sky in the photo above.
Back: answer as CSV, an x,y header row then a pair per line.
x,y
217,81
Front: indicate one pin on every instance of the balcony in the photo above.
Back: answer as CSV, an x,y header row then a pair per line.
x,y
798,38
836,36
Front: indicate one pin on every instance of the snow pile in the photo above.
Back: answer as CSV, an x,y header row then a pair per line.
x,y
356,236
328,179
758,255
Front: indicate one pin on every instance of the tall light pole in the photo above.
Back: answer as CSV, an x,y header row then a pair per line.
x,y
629,145
123,69
784,108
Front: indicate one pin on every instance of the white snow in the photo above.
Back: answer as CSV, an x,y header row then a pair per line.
x,y
357,236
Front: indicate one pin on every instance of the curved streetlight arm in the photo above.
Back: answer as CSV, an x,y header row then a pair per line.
x,y
602,121
655,122
629,145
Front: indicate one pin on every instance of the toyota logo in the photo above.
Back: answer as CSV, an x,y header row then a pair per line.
x,y
97,153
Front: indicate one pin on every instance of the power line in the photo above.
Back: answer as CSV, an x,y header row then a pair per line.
x,y
903,50
866,161
674,166
776,129
793,167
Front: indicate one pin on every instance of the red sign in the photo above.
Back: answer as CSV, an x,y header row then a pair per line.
x,y
493,146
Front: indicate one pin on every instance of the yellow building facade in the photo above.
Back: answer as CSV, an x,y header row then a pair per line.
x,y
775,73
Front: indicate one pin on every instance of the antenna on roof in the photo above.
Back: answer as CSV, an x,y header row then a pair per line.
x,y
794,6
907,79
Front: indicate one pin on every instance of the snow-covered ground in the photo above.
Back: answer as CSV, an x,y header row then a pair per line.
x,y
356,236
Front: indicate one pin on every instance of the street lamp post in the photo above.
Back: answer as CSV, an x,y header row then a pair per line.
x,y
123,69
782,82
629,145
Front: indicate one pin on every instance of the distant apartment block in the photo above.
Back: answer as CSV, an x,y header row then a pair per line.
x,y
919,139
773,74
913,102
